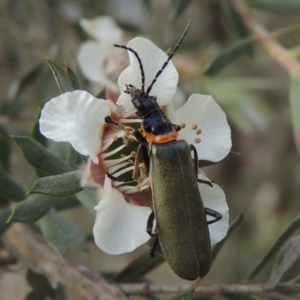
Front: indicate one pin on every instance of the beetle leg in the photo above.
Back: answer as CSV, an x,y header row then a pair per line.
x,y
196,166
154,246
154,235
208,182
214,214
141,157
150,224
176,127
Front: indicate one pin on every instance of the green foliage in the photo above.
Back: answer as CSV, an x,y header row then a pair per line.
x,y
60,234
65,78
63,185
5,149
39,157
286,258
10,190
184,296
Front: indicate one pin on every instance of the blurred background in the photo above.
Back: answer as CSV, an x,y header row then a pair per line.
x,y
252,88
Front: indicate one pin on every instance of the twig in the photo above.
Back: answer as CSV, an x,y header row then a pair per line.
x,y
30,247
275,50
145,288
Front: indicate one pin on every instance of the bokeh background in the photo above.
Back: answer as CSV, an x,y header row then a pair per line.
x,y
262,182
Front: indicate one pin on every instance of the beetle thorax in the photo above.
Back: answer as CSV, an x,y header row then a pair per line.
x,y
143,103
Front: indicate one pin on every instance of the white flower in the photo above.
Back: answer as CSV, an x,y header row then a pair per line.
x,y
98,59
78,117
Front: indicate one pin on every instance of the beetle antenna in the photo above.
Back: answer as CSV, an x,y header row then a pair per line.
x,y
139,61
169,57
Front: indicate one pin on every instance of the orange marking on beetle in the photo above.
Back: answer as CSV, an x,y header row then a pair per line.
x,y
161,138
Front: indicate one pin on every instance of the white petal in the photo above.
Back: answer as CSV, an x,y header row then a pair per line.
x,y
120,227
214,198
76,117
102,29
152,59
92,58
215,133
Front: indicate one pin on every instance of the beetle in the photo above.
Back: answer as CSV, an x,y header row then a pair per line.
x,y
181,227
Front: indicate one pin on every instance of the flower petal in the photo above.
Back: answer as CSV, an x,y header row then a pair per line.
x,y
207,115
214,198
102,29
92,58
152,59
76,117
119,227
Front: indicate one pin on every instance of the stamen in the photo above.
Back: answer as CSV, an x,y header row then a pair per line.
x,y
197,140
182,125
198,131
108,154
123,171
113,169
111,162
194,126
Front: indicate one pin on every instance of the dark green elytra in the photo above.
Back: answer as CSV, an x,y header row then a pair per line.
x,y
179,212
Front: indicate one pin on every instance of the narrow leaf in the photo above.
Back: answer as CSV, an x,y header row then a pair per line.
x,y
286,258
61,77
60,234
231,296
284,6
10,190
234,225
35,131
138,268
184,296
39,157
72,77
4,215
234,20
295,108
295,224
63,185
230,54
4,148
179,7
32,209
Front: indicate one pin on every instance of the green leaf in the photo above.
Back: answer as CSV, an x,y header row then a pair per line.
x,y
230,54
179,7
88,199
39,157
234,20
32,209
283,6
138,268
101,94
40,284
62,185
73,158
295,108
4,148
60,234
67,203
65,78
10,190
73,78
184,296
231,296
286,258
35,131
61,77
4,215
295,224
234,225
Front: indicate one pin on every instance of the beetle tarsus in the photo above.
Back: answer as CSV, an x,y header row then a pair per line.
x,y
153,249
214,214
208,182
